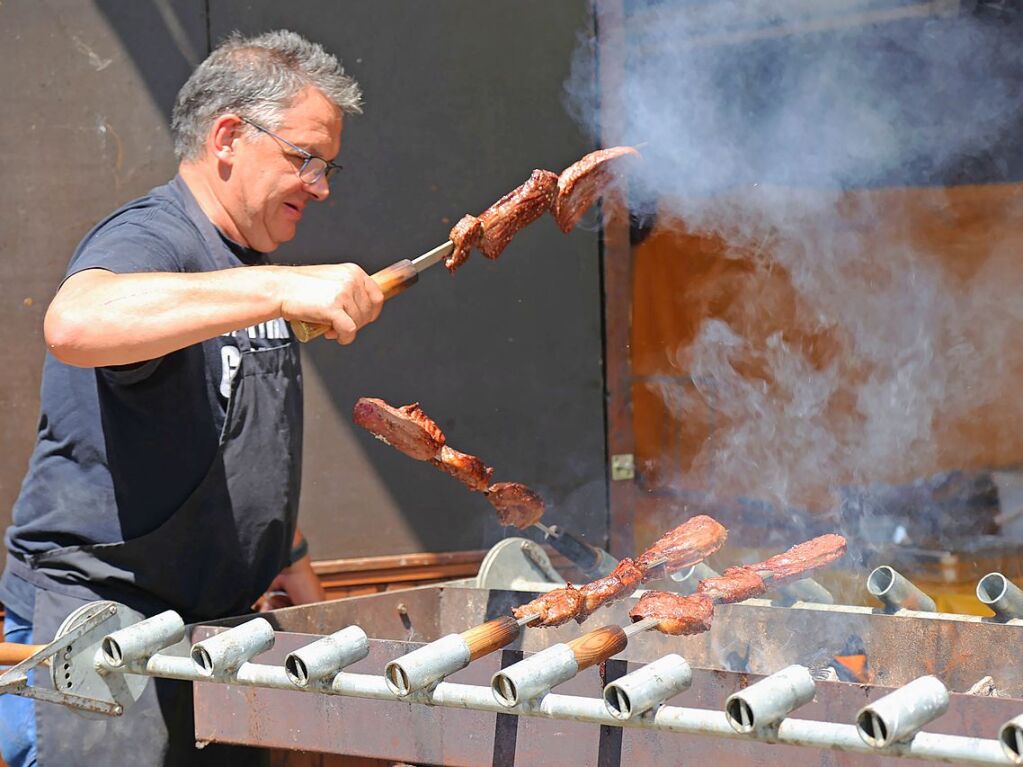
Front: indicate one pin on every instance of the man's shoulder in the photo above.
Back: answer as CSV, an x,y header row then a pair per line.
x,y
158,212
150,233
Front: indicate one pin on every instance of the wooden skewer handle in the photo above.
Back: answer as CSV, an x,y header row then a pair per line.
x,y
597,646
490,636
392,280
11,653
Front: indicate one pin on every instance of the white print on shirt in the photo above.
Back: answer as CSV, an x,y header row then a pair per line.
x,y
230,361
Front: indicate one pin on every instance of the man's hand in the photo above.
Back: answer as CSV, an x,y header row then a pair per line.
x,y
340,296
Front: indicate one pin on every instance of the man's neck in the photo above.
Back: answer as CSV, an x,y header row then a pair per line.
x,y
202,189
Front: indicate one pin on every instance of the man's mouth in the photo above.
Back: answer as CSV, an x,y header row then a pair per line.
x,y
295,209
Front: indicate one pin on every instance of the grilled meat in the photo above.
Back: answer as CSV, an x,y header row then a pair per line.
x,y
707,537
466,235
736,585
516,504
581,183
405,428
516,210
622,581
467,469
691,542
553,608
690,615
675,614
795,563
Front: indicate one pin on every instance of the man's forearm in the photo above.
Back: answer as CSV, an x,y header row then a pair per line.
x,y
101,318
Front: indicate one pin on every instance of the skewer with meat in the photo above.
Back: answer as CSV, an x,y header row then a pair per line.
x,y
582,182
415,434
515,211
689,543
405,428
465,235
678,615
516,504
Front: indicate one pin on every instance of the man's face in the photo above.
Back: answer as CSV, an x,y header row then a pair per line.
x,y
267,197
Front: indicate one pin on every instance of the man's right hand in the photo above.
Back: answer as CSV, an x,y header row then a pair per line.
x,y
340,296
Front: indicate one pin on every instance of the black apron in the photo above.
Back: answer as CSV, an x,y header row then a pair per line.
x,y
213,557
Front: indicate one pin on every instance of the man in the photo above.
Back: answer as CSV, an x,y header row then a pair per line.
x,y
166,468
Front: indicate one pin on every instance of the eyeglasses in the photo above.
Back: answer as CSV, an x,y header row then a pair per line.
x,y
313,168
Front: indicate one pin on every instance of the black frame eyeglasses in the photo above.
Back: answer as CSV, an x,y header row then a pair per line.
x,y
313,168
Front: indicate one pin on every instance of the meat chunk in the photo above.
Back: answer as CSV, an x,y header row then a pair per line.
x,y
516,504
466,235
516,210
622,581
737,584
802,558
675,614
405,428
467,469
581,183
553,608
691,542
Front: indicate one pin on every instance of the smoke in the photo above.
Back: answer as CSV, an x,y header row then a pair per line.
x,y
852,352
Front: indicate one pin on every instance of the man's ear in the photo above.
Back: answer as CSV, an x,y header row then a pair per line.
x,y
225,131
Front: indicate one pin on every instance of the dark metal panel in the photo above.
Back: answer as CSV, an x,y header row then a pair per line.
x,y
463,100
83,129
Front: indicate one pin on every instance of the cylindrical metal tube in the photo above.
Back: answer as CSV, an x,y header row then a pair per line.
x,y
428,664
649,686
534,675
225,652
1011,738
763,705
318,662
136,643
805,590
897,592
688,578
1002,595
898,716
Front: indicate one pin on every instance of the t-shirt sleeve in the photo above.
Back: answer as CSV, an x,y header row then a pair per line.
x,y
130,246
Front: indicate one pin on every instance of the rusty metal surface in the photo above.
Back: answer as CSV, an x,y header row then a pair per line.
x,y
428,735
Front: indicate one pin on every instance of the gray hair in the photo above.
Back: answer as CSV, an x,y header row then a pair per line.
x,y
256,77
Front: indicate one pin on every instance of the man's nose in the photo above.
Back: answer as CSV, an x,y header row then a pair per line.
x,y
320,189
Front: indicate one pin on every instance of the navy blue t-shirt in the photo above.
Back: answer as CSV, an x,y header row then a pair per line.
x,y
118,450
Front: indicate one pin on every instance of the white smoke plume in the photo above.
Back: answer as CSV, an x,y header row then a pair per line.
x,y
759,119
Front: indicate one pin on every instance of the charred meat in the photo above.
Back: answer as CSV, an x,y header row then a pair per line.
x,y
622,581
689,543
405,428
736,585
516,210
516,504
675,614
466,235
802,558
467,469
553,608
581,183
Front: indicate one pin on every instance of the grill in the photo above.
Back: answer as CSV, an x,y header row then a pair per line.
x,y
391,676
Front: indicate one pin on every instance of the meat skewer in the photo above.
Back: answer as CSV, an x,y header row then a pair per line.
x,y
412,432
658,609
691,542
581,183
567,196
678,615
